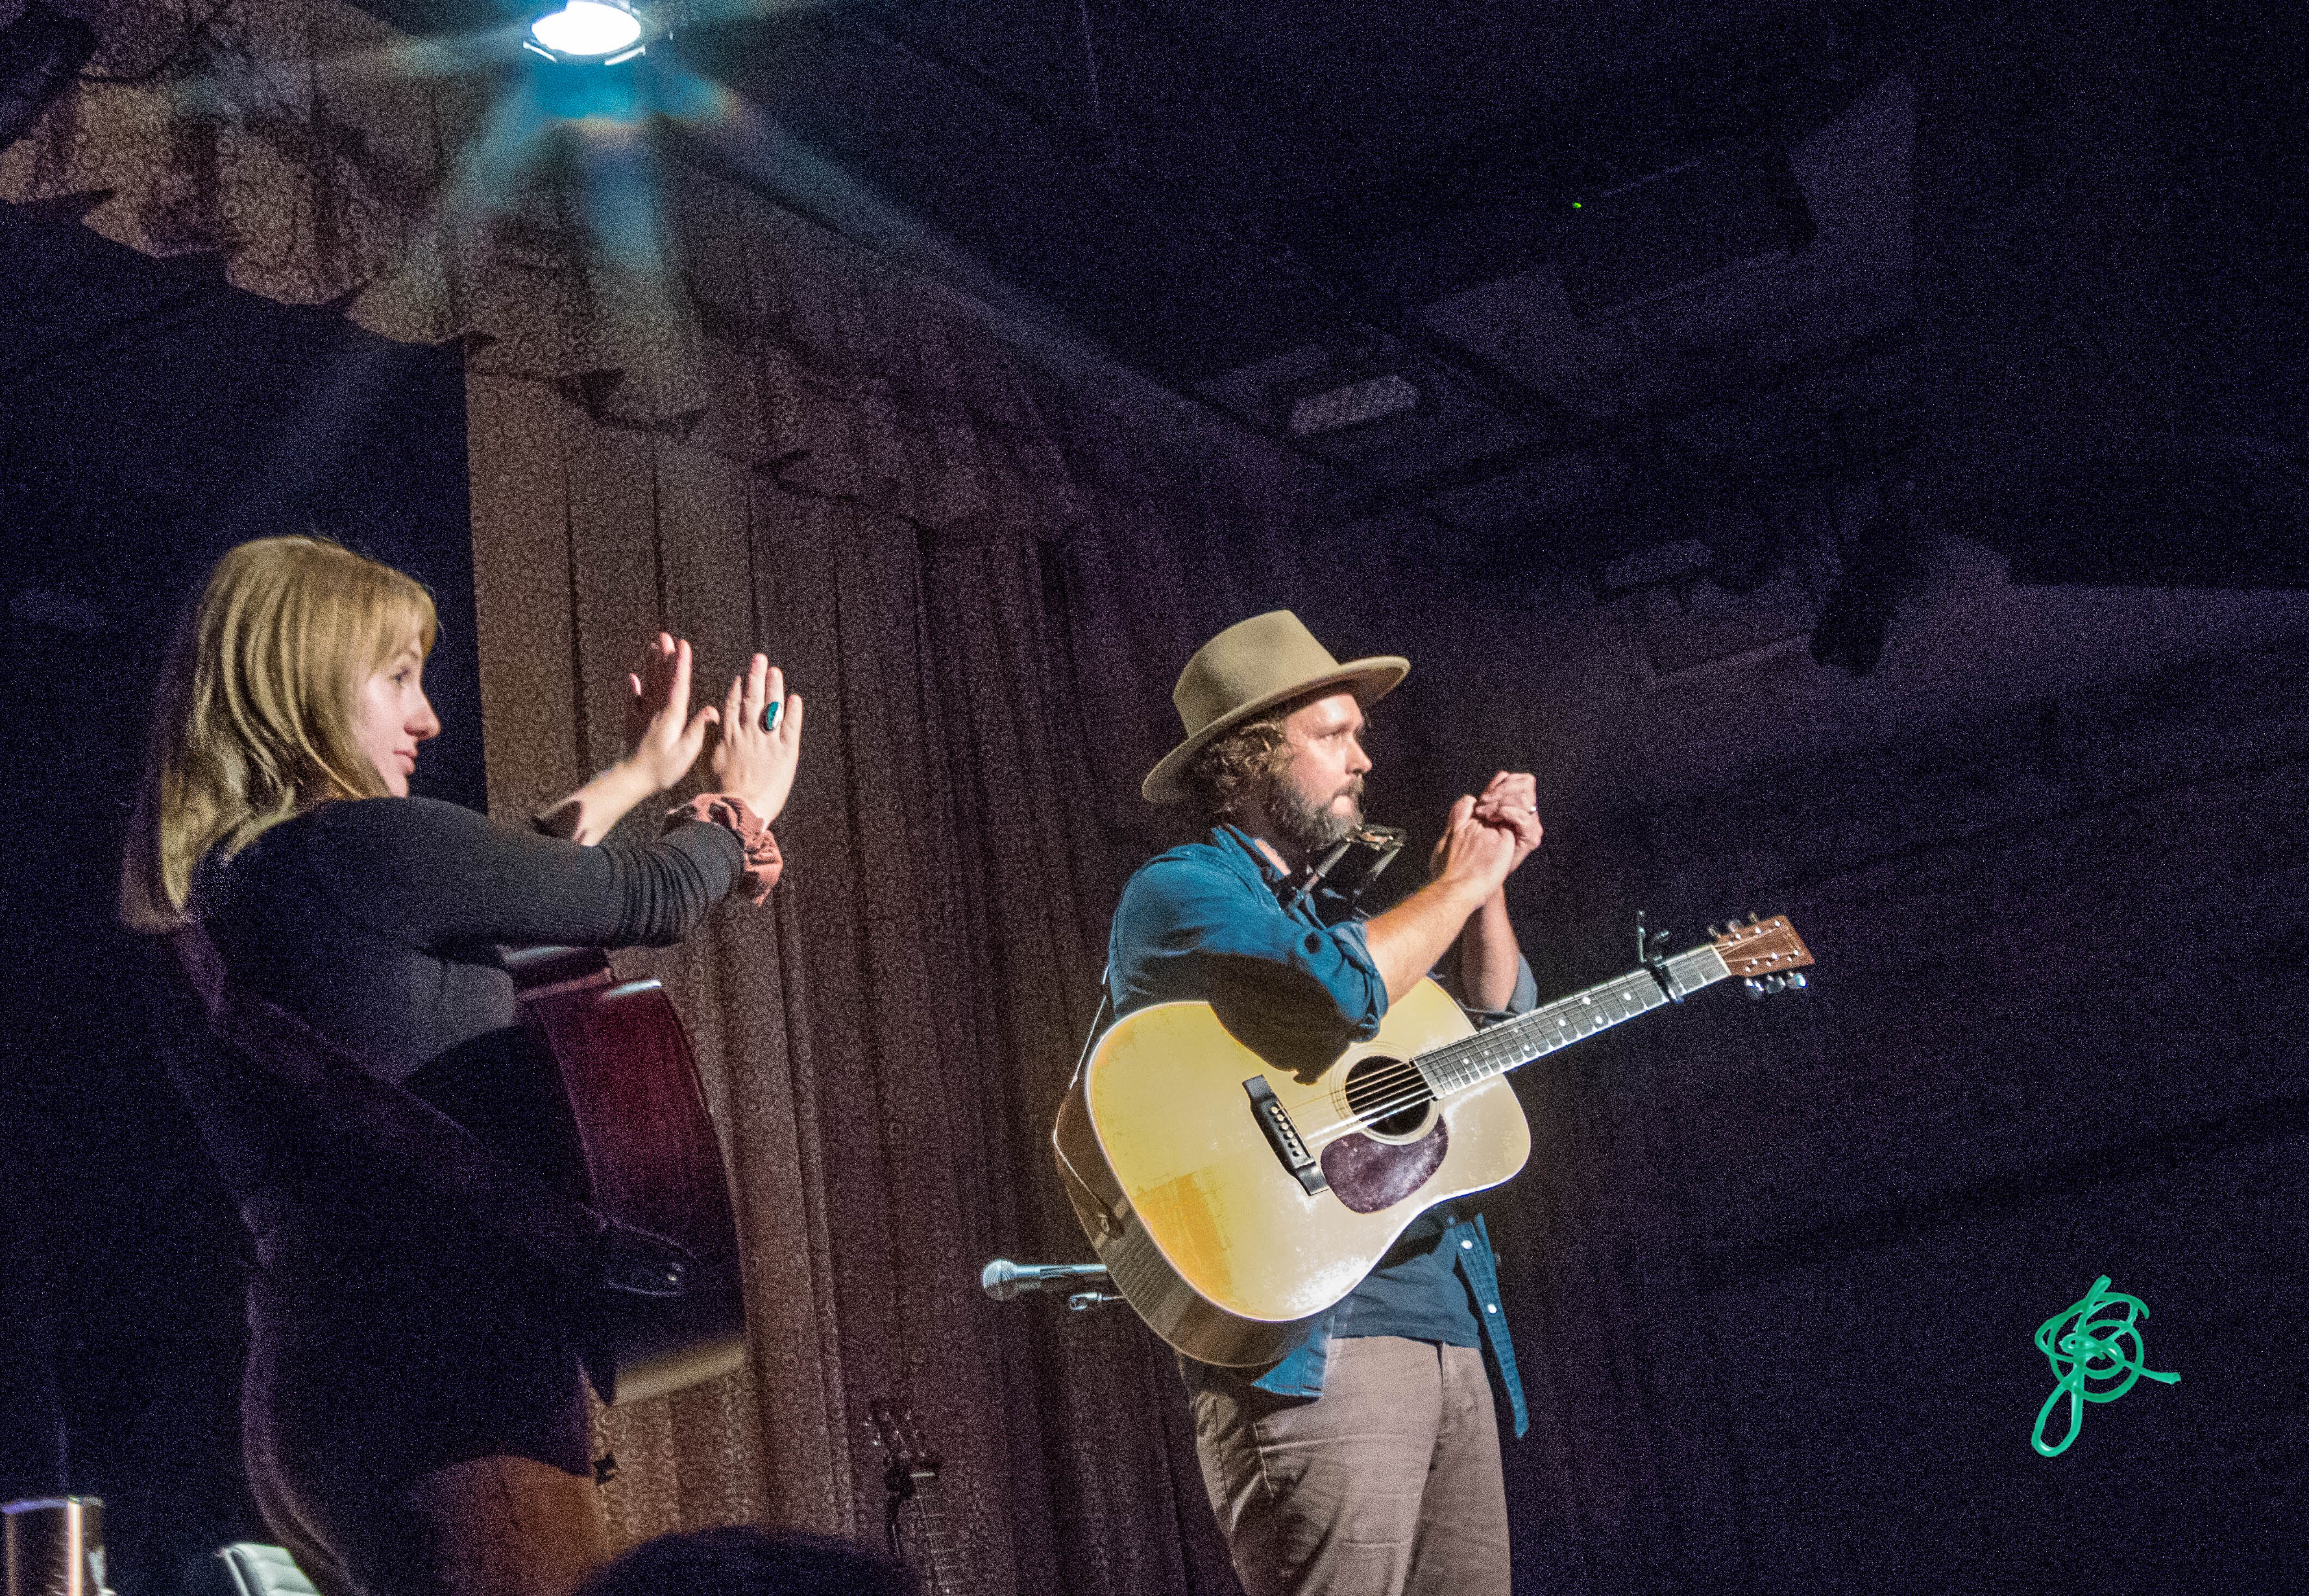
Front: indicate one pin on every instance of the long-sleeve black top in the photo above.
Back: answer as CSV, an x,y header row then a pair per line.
x,y
379,921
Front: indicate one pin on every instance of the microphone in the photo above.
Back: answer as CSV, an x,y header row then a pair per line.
x,y
1002,1280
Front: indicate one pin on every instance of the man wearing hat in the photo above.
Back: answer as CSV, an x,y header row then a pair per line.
x,y
1366,1464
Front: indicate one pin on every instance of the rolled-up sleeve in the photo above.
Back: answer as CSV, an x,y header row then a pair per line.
x,y
1521,1001
1526,996
1189,929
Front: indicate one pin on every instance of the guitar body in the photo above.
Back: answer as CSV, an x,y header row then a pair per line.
x,y
1232,1202
1204,1228
641,1151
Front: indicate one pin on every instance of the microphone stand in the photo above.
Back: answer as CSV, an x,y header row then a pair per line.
x,y
1003,1280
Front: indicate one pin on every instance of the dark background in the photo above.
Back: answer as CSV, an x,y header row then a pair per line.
x,y
151,417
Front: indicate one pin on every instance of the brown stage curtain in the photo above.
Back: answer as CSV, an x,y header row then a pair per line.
x,y
983,577
982,583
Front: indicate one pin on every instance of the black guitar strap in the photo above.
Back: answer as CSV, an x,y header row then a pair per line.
x,y
419,1141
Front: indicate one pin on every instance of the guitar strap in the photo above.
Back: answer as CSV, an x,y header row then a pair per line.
x,y
1097,1020
1097,1023
419,1141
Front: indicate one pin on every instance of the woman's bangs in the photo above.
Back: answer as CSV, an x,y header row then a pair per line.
x,y
401,612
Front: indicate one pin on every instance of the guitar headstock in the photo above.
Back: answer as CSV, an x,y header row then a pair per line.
x,y
1760,948
932,1544
899,1433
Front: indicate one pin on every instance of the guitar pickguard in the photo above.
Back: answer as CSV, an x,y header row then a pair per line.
x,y
1368,1175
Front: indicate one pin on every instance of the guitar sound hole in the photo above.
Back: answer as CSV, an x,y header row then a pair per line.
x,y
1392,1089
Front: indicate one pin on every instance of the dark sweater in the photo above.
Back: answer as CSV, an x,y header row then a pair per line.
x,y
403,1330
378,921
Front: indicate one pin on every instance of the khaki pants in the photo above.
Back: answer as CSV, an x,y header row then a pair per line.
x,y
1386,1485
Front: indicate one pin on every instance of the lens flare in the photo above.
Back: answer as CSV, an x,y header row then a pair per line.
x,y
586,27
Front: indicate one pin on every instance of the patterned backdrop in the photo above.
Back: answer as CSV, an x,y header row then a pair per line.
x,y
981,571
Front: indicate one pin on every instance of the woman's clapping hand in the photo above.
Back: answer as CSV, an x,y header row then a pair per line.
x,y
753,762
662,738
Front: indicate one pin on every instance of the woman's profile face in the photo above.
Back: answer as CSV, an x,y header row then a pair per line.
x,y
390,717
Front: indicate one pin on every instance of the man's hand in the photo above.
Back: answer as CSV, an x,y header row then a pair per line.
x,y
1483,841
1474,855
1509,805
1512,799
1507,813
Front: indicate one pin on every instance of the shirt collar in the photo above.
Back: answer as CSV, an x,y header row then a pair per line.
x,y
1327,903
1236,841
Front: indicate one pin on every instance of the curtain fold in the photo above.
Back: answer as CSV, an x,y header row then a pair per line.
x,y
982,581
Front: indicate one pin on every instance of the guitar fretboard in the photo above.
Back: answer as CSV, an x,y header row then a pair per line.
x,y
937,1554
1472,1060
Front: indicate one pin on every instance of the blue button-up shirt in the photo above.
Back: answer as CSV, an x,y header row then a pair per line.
x,y
1207,923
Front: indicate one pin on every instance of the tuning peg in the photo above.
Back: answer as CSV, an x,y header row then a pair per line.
x,y
1712,932
1755,988
1796,982
1752,917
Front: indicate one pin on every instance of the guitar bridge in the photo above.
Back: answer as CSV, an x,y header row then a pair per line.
x,y
1281,1135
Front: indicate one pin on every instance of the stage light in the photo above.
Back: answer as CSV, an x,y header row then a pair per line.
x,y
588,31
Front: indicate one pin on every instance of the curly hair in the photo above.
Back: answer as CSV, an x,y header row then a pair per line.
x,y
1241,766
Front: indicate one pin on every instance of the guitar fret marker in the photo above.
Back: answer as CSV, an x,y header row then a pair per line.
x,y
1469,1062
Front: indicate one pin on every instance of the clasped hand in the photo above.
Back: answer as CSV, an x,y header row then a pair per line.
x,y
1489,835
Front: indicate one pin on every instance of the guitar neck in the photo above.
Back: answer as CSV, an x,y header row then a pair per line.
x,y
939,1555
1492,1052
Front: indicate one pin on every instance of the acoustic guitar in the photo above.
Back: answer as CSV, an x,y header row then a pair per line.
x,y
1233,1200
638,1147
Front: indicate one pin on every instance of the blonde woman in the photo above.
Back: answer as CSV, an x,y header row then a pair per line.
x,y
414,1413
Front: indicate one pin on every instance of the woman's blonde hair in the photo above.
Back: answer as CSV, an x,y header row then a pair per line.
x,y
253,723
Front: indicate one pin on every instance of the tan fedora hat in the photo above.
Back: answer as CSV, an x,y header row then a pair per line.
x,y
1251,666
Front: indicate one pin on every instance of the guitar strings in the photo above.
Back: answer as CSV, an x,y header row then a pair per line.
x,y
1482,1042
1399,1075
1635,983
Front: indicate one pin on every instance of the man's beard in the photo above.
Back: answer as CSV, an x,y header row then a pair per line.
x,y
1311,829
